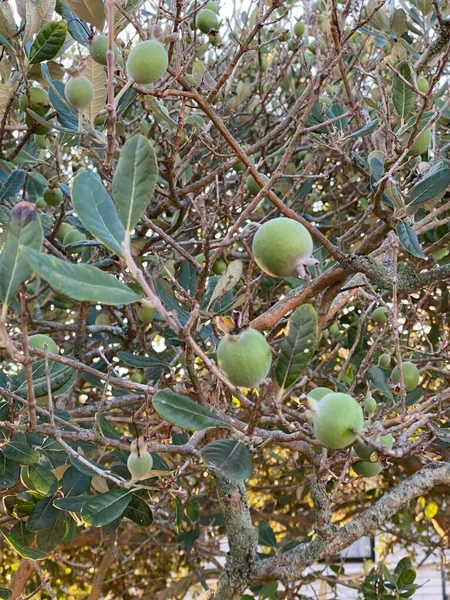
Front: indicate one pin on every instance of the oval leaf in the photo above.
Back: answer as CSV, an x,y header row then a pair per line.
x,y
9,471
403,97
92,11
435,181
230,456
49,539
228,280
184,412
105,508
139,511
21,453
20,549
43,516
48,42
409,240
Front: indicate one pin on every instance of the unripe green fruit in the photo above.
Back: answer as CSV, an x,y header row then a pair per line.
x,y
379,315
40,340
100,121
282,247
138,377
38,101
140,461
370,404
319,393
253,187
39,128
411,376
421,143
384,360
337,420
219,267
41,203
335,330
245,358
79,92
98,49
53,196
366,452
146,314
207,20
440,253
423,84
366,469
71,237
147,62
212,6
41,141
63,230
299,29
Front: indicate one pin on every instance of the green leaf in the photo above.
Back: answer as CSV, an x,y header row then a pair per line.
x,y
369,128
298,347
184,412
25,230
434,183
105,508
228,280
409,240
21,453
74,482
44,514
60,375
139,511
96,211
22,550
13,184
5,593
79,282
403,97
107,429
406,578
378,379
49,539
40,478
72,503
134,180
9,471
266,536
230,456
48,42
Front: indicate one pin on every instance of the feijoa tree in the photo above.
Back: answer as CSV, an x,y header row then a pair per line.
x,y
223,276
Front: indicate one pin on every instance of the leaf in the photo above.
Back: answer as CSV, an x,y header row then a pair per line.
x,y
434,183
41,479
409,240
184,412
134,180
407,577
32,20
403,97
77,281
25,230
5,593
44,515
49,539
60,375
97,75
228,280
105,508
72,503
66,115
74,482
20,549
21,453
335,111
266,536
48,42
92,11
107,429
378,379
46,8
9,472
298,347
77,28
96,210
139,511
7,22
14,183
5,92
230,456
369,128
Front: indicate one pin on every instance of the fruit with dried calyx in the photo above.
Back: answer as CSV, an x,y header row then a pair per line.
x,y
39,341
79,92
140,461
283,247
98,49
53,196
299,29
245,357
411,376
337,419
147,62
38,101
207,20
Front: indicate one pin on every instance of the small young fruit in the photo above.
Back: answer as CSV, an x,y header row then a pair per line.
x,y
337,420
283,247
38,101
138,377
63,230
254,187
41,203
98,49
384,360
71,237
365,452
41,141
40,340
146,314
53,196
79,92
379,315
370,404
140,461
366,469
411,376
423,84
207,20
245,358
147,62
319,393
212,6
299,29
421,143
219,267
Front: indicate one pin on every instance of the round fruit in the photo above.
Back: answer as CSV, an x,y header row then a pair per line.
x,y
245,358
253,187
38,101
146,314
71,237
53,196
40,340
207,20
299,29
337,420
63,230
79,92
423,84
219,267
379,315
282,247
366,452
138,377
100,121
41,141
212,6
411,376
40,203
147,62
421,143
384,360
140,461
319,393
366,469
98,49
370,404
